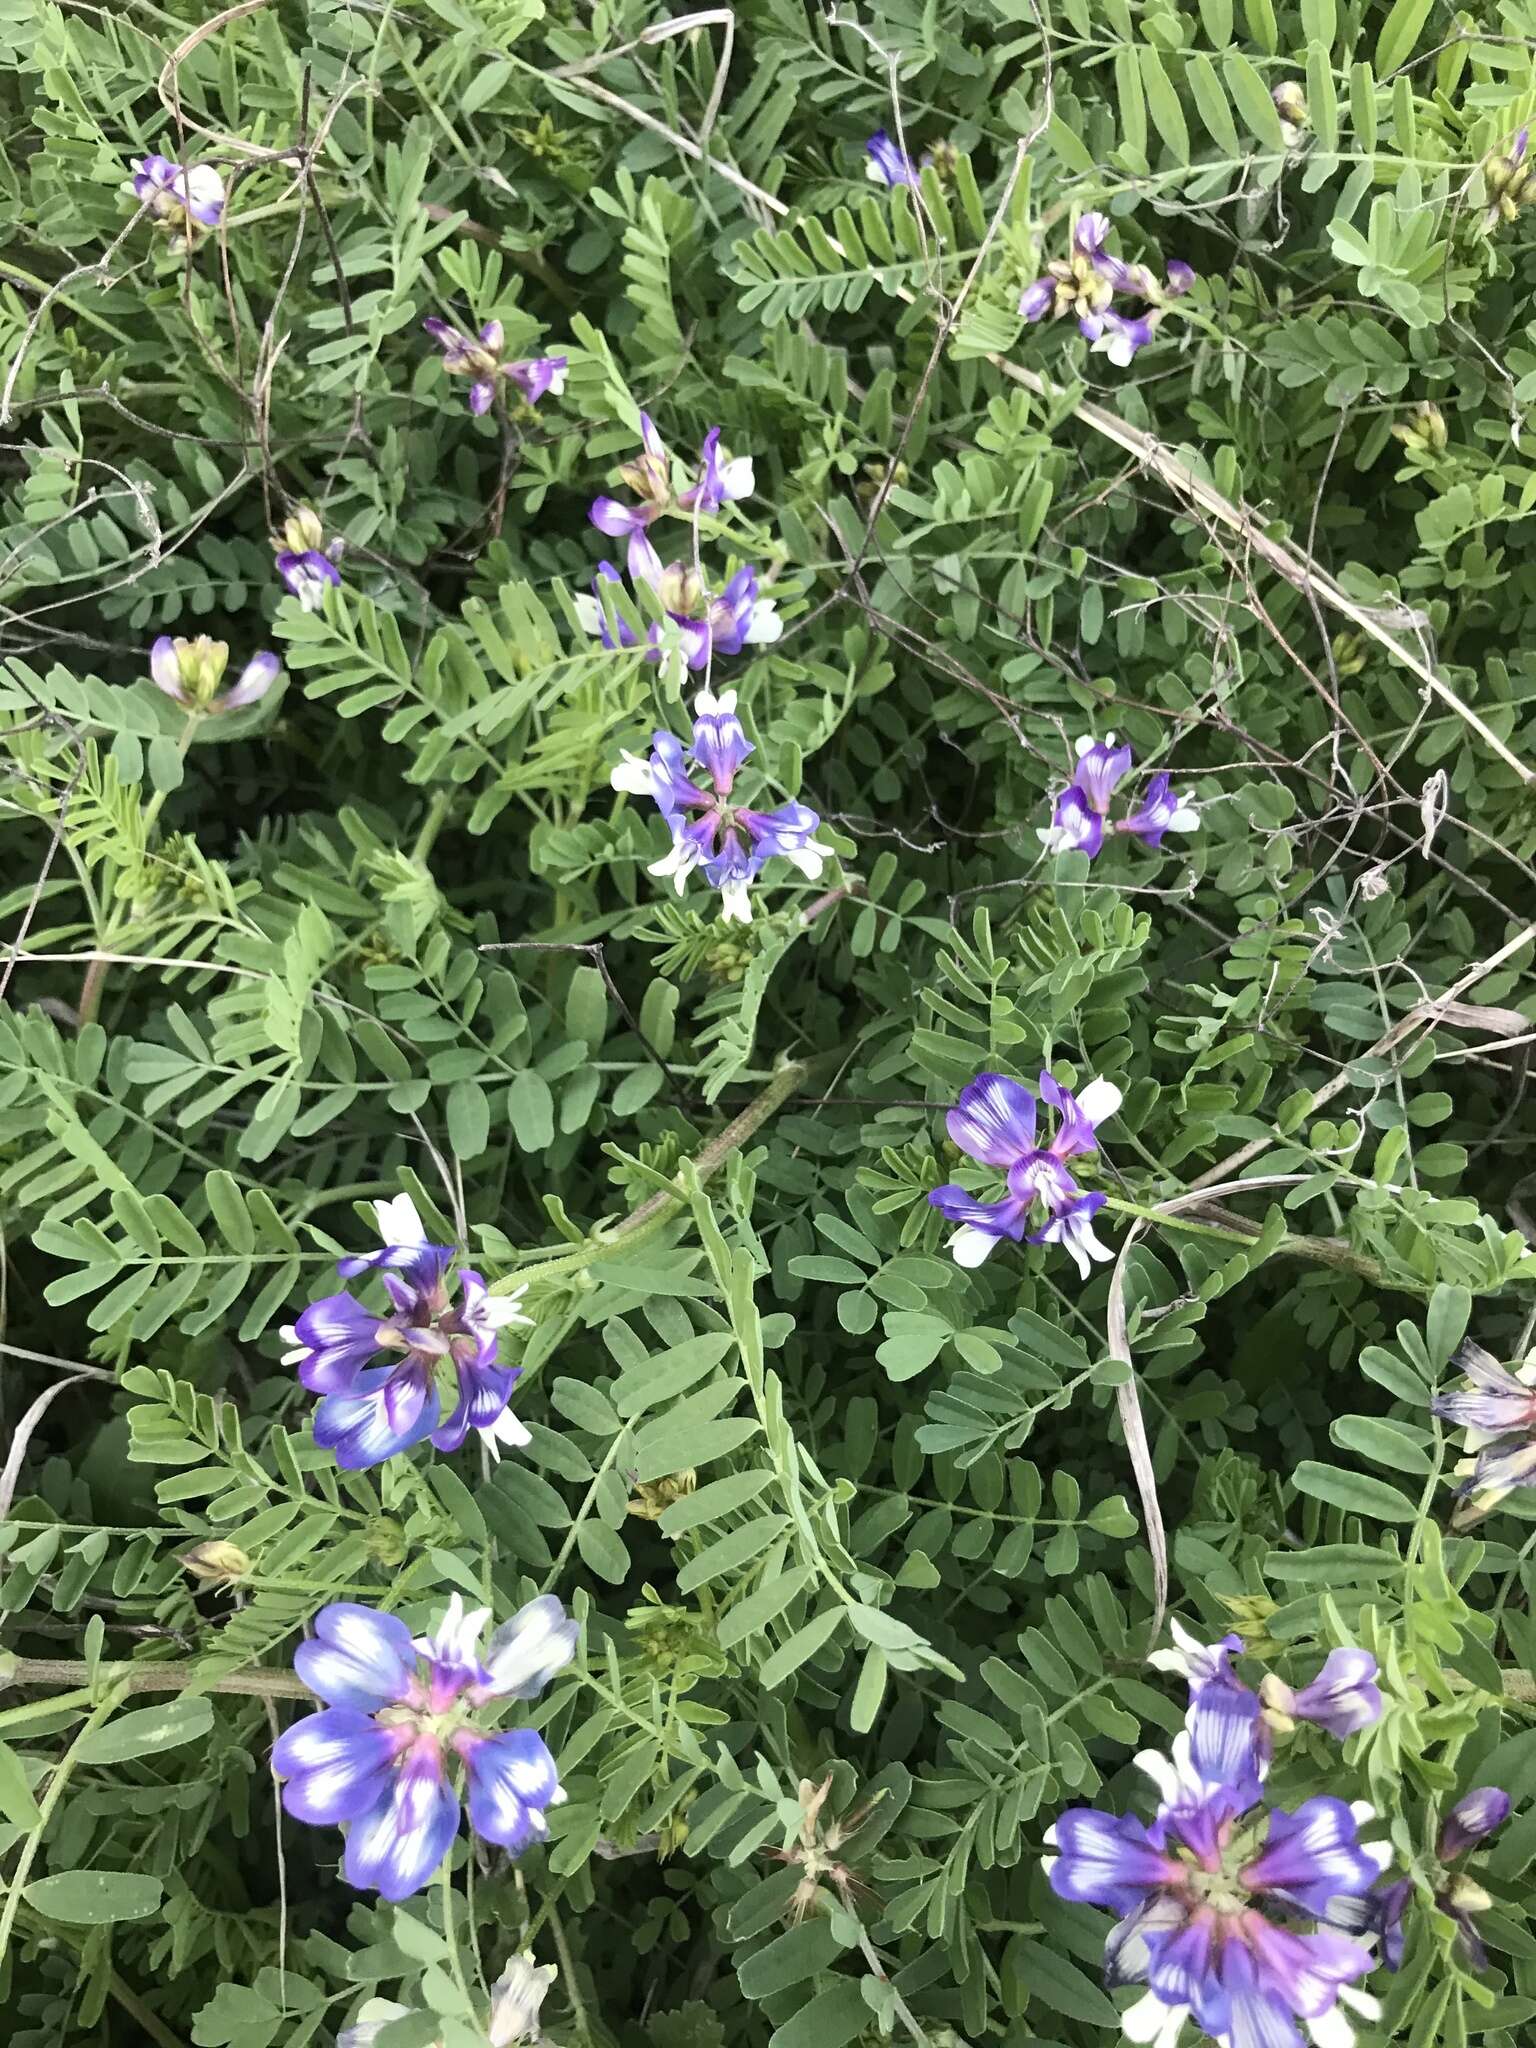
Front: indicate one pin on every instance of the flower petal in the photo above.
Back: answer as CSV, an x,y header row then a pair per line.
x,y
357,1658
994,1120
395,1847
337,1764
512,1779
524,1654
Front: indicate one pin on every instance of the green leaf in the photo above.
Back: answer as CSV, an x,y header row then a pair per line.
x,y
829,2021
16,1800
1163,104
602,1551
795,1955
1049,1976
93,1898
1399,33
765,1605
146,1731
1450,1310
669,1446
1251,97
804,1643
469,1119
1354,1492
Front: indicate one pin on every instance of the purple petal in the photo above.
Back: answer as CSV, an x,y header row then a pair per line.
x,y
1472,1817
256,678
719,745
337,1763
609,516
512,1779
357,1658
484,1391
1306,1970
482,394
994,1120
1106,1859
1100,769
341,1336
395,1848
998,1219
492,336
386,1411
1312,1855
1228,1742
1075,826
1037,299
1344,1696
1181,278
525,1653
888,164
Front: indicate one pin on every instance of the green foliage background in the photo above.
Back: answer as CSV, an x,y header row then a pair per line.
x,y
394,931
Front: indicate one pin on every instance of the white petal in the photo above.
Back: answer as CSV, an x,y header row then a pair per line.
x,y
506,1429
398,1222
633,774
557,380
736,903
736,477
970,1246
1363,2002
589,613
1150,2021
497,1311
1331,2030
764,626
1099,1100
810,859
1161,1769
1185,819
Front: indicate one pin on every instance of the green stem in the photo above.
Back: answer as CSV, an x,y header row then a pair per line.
x,y
657,1209
1321,1251
17,1879
146,1677
432,823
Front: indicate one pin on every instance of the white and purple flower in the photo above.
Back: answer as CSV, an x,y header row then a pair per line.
x,y
994,1123
1497,1412
303,561
481,360
190,672
730,842
434,1344
1085,283
886,162
1342,1699
1210,1891
380,1757
185,199
1080,817
649,477
724,623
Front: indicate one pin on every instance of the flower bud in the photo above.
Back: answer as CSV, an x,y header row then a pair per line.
x,y
1465,1895
1291,106
1278,1701
1424,428
217,1562
386,1541
1349,653
302,532
652,1497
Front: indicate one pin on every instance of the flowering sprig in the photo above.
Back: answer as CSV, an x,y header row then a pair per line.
x,y
1510,182
730,842
481,360
649,477
190,672
1497,1414
186,200
1210,1891
1343,1698
369,1413
994,1122
1080,817
379,1756
303,560
1085,283
708,624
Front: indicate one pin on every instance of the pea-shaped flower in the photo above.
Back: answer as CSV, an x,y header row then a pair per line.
x,y
381,1757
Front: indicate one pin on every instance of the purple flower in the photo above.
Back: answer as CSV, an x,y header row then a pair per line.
x,y
1159,811
735,619
380,1757
1209,1891
309,576
1497,1412
1342,1699
1079,818
1474,1815
886,163
730,842
370,1412
994,1123
190,671
481,361
1085,285
183,198
719,483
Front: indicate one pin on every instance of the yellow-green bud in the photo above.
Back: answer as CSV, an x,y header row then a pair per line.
x,y
217,1562
1291,105
302,532
386,1541
653,1497
1423,428
1466,1896
1348,653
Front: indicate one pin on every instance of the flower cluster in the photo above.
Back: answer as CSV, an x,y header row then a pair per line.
x,y
707,625
378,1757
481,360
1497,1411
1078,821
649,477
184,199
190,672
303,561
1211,1891
1085,284
728,841
994,1123
371,1412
